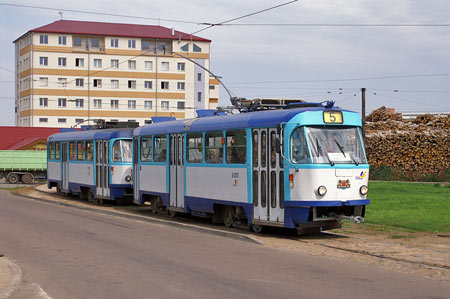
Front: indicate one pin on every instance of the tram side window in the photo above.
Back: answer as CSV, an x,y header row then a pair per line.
x,y
89,150
214,147
195,148
80,151
57,151
236,147
51,151
160,148
299,149
146,149
72,151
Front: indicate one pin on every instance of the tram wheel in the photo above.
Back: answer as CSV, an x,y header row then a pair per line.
x,y
228,216
27,178
257,228
154,205
90,195
13,178
172,213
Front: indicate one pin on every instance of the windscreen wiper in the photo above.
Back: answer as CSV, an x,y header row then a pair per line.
x,y
319,149
341,148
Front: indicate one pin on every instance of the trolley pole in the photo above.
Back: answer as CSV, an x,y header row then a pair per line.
x,y
363,112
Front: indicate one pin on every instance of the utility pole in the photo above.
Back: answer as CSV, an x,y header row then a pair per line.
x,y
363,112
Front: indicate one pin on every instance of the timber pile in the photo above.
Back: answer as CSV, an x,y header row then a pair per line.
x,y
419,146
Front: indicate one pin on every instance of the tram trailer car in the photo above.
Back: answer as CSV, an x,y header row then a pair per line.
x,y
301,168
94,164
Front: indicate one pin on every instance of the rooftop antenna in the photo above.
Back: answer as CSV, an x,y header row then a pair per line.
x,y
61,15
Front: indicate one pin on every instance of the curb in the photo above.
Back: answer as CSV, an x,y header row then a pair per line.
x,y
16,279
230,235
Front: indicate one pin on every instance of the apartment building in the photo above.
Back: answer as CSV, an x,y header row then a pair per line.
x,y
69,72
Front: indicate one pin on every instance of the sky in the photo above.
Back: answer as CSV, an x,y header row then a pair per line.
x,y
402,67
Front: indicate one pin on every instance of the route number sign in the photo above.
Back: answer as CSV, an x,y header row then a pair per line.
x,y
332,117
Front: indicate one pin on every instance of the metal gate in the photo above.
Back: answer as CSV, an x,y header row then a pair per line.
x,y
136,170
65,168
102,168
176,165
268,178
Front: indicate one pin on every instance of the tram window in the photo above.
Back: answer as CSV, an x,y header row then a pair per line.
x,y
146,149
273,189
80,151
195,148
214,147
89,150
122,151
236,147
263,149
263,189
281,189
72,151
255,149
51,151
255,188
117,156
273,149
57,151
160,148
299,149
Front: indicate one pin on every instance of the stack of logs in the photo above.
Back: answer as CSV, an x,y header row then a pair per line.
x,y
420,146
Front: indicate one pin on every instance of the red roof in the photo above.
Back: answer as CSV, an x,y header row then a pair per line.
x,y
115,29
18,137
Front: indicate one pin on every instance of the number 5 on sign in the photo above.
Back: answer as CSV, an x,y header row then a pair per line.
x,y
332,117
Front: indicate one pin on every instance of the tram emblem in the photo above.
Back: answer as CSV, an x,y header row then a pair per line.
x,y
362,175
343,184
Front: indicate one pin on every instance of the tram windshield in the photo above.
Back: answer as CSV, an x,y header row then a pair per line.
x,y
122,151
327,145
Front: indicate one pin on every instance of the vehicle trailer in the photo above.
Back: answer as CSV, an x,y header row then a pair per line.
x,y
23,166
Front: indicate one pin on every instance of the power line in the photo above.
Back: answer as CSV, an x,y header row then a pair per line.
x,y
337,25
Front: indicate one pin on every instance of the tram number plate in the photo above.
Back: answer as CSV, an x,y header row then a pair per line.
x,y
332,117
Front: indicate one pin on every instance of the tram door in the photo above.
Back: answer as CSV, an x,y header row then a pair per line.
x,y
102,168
136,170
268,177
65,168
176,171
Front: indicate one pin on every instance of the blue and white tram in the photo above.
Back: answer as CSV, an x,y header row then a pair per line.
x,y
301,168
95,164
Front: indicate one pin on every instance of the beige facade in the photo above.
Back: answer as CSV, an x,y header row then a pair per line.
x,y
64,79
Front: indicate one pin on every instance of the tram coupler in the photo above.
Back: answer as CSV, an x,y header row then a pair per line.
x,y
353,219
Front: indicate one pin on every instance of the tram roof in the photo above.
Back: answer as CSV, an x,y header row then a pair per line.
x,y
104,134
259,119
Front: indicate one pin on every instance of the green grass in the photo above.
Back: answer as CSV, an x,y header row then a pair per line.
x,y
413,206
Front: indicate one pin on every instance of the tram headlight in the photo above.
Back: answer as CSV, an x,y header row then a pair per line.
x,y
363,190
322,190
128,178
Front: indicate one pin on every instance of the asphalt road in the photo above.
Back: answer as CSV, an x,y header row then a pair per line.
x,y
72,253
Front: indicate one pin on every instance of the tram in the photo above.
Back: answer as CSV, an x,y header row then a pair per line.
x,y
303,167
93,164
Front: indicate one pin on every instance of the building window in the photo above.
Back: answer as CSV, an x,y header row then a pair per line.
x,y
131,104
79,82
62,40
164,66
114,84
98,83
62,82
97,103
148,84
212,87
62,61
79,62
164,85
132,84
62,120
165,105
149,65
132,43
196,48
79,103
199,77
185,48
43,120
62,102
132,64
180,105
180,85
145,45
43,102
199,96
180,66
43,82
114,104
43,61
114,63
114,42
95,43
76,42
97,63
43,39
148,104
